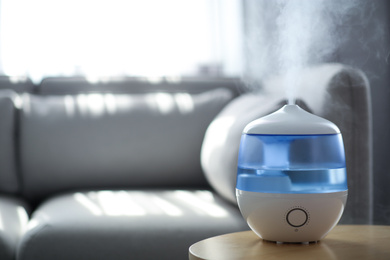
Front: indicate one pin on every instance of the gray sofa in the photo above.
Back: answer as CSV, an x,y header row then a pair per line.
x,y
139,169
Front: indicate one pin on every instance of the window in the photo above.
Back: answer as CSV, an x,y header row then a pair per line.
x,y
115,38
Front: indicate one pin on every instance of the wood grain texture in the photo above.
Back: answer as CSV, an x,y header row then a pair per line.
x,y
343,242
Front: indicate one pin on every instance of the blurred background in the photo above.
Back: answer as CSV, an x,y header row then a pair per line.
x,y
251,40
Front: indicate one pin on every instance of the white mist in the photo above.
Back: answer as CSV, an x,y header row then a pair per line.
x,y
286,36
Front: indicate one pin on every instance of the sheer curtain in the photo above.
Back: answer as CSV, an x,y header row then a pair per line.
x,y
100,38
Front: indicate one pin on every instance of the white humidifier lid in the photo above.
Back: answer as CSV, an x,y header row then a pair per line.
x,y
291,120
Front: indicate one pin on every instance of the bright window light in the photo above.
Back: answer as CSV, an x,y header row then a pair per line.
x,y
100,38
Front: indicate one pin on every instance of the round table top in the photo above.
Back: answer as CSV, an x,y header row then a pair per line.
x,y
343,242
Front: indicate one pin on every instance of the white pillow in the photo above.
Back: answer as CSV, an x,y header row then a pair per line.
x,y
222,140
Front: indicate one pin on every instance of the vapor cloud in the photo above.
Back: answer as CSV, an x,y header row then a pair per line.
x,y
285,36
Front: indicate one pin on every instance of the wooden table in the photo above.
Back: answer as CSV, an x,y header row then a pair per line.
x,y
343,242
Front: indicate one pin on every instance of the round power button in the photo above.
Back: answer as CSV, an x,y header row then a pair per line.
x,y
297,217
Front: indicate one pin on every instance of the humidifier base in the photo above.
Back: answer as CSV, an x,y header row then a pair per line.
x,y
291,218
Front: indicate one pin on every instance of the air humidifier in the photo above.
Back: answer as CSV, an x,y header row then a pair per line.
x,y
291,178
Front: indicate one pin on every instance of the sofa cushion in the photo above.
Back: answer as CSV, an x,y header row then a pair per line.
x,y
16,83
126,224
14,218
9,181
133,85
114,140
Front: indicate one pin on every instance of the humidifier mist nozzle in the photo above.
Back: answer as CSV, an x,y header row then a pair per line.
x,y
291,120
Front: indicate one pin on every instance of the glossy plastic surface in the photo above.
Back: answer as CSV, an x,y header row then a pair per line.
x,y
291,163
